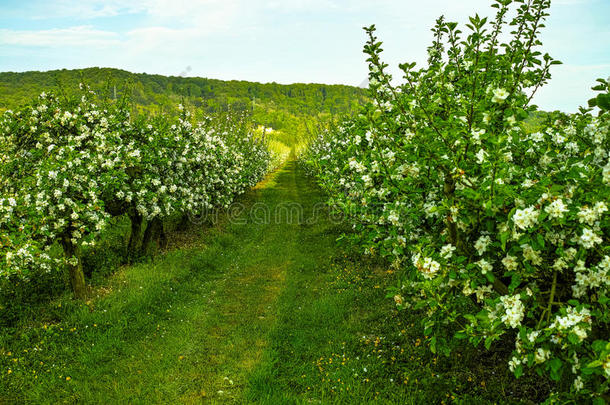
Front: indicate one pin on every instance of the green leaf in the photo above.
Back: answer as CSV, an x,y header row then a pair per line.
x,y
573,338
515,280
471,318
488,341
555,365
503,238
460,335
603,101
518,371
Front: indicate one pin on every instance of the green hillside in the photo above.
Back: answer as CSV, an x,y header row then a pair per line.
x,y
285,107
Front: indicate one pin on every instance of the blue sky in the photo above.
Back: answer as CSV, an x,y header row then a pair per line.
x,y
283,41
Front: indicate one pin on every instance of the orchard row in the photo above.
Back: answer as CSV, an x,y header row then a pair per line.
x,y
67,166
499,229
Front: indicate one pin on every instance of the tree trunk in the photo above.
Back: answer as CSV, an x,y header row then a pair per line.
x,y
136,234
456,238
184,223
154,231
162,236
453,233
75,271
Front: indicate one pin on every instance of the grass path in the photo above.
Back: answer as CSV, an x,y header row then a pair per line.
x,y
222,331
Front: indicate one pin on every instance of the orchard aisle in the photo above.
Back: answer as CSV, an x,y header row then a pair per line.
x,y
226,338
225,342
244,270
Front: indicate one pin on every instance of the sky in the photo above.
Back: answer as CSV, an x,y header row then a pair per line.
x,y
310,41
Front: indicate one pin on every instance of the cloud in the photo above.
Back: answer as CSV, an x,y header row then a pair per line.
x,y
86,9
155,34
169,22
208,10
82,35
569,2
202,12
301,5
160,41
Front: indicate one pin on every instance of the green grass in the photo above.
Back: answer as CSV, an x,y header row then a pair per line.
x,y
244,312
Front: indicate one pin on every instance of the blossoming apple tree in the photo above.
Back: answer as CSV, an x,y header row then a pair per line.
x,y
502,234
69,165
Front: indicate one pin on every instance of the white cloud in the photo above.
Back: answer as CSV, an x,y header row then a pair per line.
x,y
86,9
59,37
221,10
159,41
301,5
569,2
204,12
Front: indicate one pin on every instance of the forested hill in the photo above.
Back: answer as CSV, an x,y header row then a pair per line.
x,y
275,105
